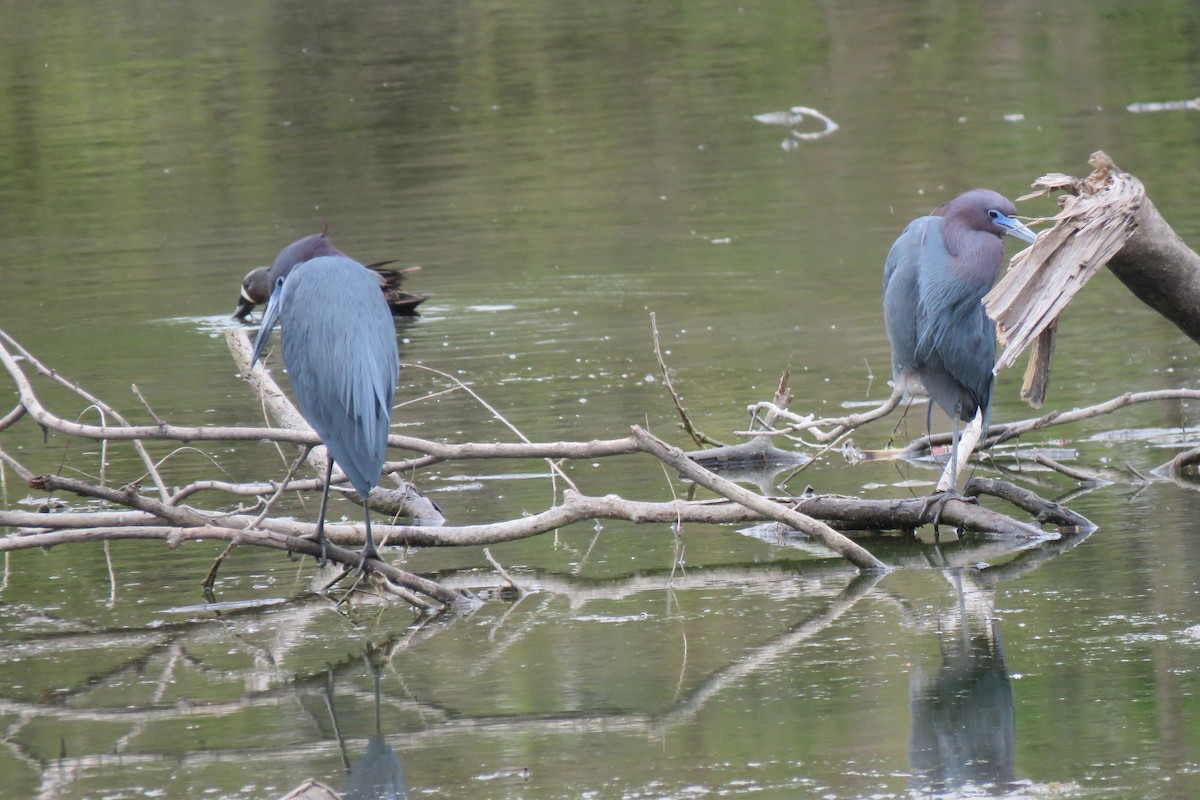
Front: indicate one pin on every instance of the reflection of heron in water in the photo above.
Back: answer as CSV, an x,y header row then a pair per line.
x,y
377,775
963,725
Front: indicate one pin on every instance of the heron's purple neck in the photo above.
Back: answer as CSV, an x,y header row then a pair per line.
x,y
975,256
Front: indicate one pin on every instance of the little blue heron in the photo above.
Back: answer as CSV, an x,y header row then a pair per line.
x,y
256,286
339,346
934,280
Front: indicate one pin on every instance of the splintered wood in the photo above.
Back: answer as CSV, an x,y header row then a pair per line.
x,y
1097,218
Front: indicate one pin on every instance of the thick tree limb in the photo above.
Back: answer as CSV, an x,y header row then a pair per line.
x,y
1161,270
843,513
1044,510
1181,463
827,536
852,513
1106,219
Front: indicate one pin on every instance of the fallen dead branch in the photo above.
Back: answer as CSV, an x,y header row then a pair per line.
x,y
826,431
170,517
998,433
1043,510
1096,220
1186,461
842,513
852,552
1106,220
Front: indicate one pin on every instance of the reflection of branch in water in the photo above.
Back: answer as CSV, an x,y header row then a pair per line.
x,y
857,589
331,708
435,722
1031,559
268,684
803,577
497,650
968,564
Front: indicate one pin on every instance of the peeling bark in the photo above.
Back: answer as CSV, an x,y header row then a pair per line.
x,y
1106,220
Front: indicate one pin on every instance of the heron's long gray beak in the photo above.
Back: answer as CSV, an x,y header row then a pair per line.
x,y
1014,227
270,317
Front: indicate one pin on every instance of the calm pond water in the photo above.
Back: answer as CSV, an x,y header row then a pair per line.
x,y
560,171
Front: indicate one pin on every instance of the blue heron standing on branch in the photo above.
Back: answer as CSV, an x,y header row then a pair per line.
x,y
934,280
339,345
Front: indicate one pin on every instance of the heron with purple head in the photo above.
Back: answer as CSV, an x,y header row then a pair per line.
x,y
339,346
934,280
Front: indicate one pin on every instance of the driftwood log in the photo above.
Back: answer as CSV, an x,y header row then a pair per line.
x,y
172,516
1106,220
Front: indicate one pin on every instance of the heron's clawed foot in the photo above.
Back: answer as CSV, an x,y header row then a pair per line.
x,y
322,557
937,502
367,553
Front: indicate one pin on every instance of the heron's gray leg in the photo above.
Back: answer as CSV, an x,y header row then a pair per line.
x,y
947,490
369,550
954,449
323,558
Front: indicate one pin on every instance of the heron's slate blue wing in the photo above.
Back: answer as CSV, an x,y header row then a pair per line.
x,y
956,343
901,298
339,344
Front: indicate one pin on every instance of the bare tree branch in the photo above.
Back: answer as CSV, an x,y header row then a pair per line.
x,y
174,522
697,437
827,536
837,426
138,447
441,451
